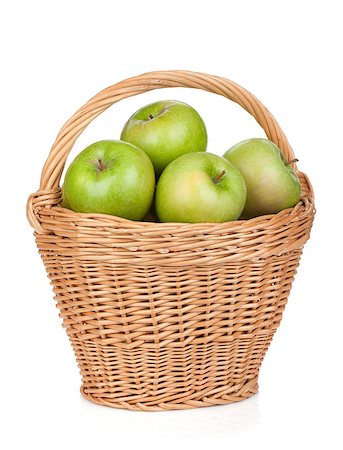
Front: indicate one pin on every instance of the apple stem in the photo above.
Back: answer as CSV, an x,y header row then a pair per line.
x,y
218,177
151,116
293,161
101,164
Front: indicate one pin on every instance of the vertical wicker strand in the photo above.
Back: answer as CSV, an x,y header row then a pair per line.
x,y
154,324
183,356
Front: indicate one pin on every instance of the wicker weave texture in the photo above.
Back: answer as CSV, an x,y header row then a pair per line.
x,y
167,316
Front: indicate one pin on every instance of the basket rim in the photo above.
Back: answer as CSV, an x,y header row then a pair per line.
x,y
306,203
257,219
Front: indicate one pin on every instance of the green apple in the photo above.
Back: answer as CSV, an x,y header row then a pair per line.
x,y
166,130
110,177
200,187
272,184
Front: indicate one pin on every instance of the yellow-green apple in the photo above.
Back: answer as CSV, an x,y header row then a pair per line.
x,y
272,184
166,130
200,187
110,177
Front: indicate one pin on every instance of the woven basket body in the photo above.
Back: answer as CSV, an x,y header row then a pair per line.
x,y
167,316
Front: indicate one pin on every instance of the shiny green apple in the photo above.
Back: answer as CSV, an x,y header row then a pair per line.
x,y
200,187
110,177
272,184
166,130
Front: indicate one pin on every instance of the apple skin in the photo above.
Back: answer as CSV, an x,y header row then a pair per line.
x,y
123,185
187,191
166,130
272,185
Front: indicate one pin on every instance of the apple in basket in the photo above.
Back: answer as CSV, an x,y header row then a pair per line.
x,y
110,177
200,187
272,185
165,130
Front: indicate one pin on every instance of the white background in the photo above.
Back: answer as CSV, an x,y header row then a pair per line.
x,y
57,54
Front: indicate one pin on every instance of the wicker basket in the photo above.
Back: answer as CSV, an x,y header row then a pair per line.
x,y
164,315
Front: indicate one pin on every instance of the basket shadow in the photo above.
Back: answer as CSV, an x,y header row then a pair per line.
x,y
208,422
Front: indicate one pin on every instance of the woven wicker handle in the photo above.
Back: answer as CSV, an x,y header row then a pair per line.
x,y
54,165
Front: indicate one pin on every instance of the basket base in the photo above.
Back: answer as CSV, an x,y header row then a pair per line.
x,y
240,393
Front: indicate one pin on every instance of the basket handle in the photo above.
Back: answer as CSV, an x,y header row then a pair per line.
x,y
54,165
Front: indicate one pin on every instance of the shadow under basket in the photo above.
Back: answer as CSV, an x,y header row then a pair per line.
x,y
167,315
